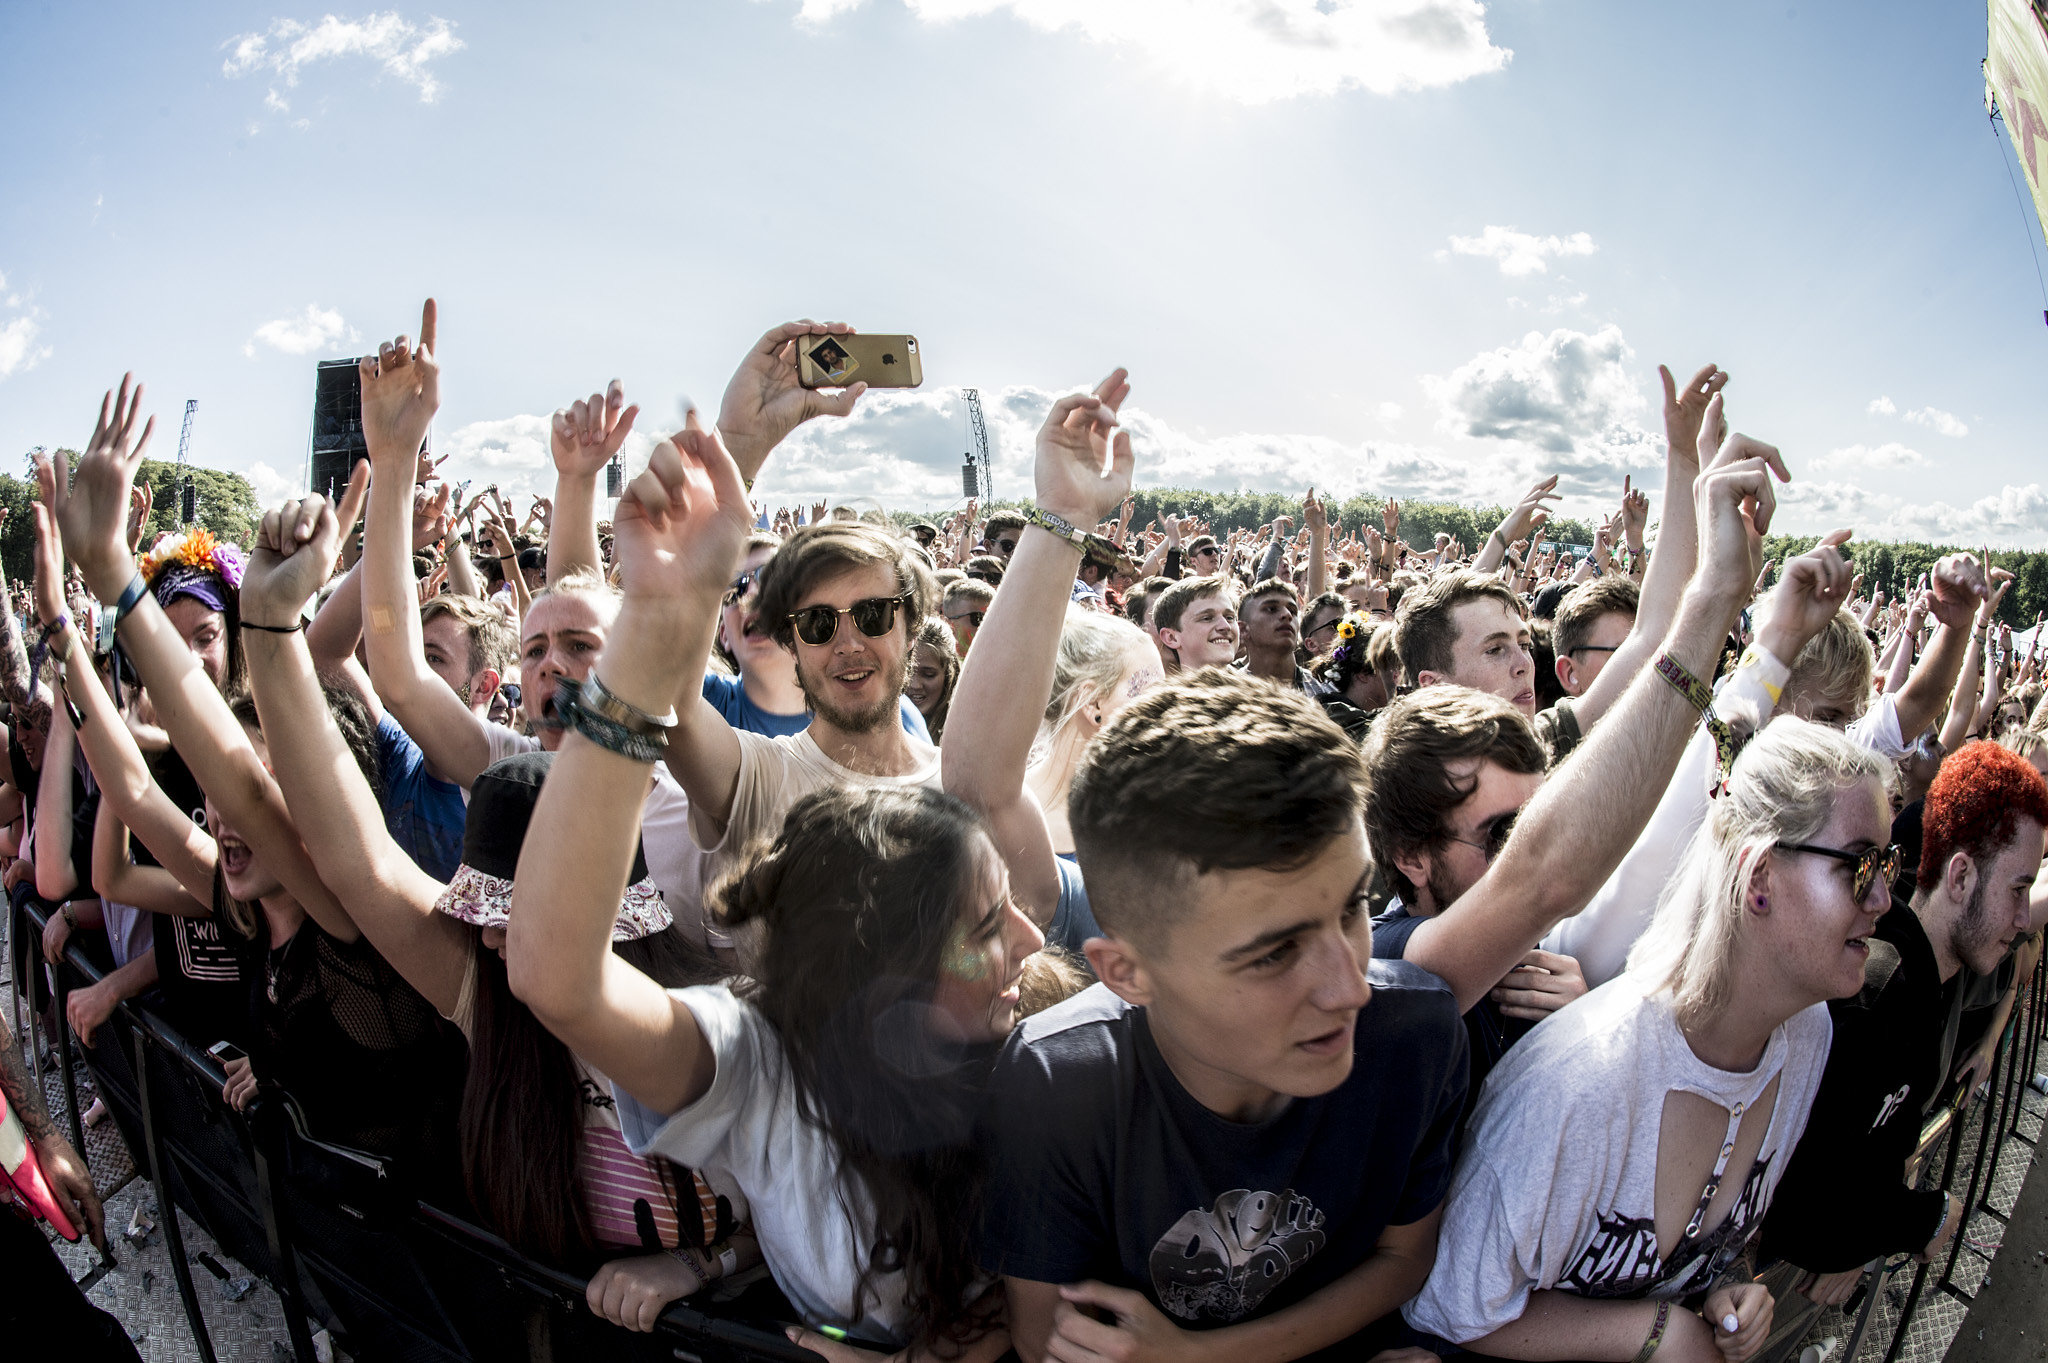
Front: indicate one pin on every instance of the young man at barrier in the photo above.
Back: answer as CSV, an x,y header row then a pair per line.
x,y
1843,1202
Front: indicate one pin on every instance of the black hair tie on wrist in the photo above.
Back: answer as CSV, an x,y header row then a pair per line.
x,y
275,629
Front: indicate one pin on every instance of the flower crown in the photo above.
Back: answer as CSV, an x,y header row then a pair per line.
x,y
1352,632
196,548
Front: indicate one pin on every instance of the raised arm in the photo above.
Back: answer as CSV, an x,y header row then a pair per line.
x,y
386,894
1316,517
764,402
56,876
1962,706
1578,827
1529,516
1687,444
116,876
399,400
1079,473
188,706
681,520
1956,588
583,437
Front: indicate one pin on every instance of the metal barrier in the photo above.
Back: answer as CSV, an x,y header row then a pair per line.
x,y
327,1228
415,1281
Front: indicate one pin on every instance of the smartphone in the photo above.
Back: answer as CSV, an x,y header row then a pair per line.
x,y
225,1051
878,361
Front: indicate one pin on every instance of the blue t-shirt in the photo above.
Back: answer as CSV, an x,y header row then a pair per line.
x,y
730,698
424,815
1073,922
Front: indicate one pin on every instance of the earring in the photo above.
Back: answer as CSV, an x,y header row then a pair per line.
x,y
1762,903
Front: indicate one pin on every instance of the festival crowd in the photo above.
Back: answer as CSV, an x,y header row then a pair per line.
x,y
1037,931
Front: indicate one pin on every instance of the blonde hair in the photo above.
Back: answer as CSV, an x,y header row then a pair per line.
x,y
1837,664
1783,789
1096,650
587,582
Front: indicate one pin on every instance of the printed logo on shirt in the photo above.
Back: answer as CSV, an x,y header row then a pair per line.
x,y
202,954
1222,1262
1621,1258
1892,1103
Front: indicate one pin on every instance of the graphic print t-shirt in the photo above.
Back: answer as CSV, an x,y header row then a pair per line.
x,y
1103,1166
1557,1182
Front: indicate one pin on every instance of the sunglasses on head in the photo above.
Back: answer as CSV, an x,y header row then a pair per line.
x,y
741,585
1869,864
874,616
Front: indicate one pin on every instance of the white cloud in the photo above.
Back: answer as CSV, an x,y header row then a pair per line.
x,y
1853,458
18,349
271,486
2013,517
1568,399
1390,411
1882,406
1256,51
1519,253
403,49
1946,423
316,329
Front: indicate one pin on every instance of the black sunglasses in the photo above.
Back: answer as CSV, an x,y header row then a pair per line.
x,y
739,588
1592,648
971,617
1007,546
993,579
511,692
1869,864
875,616
1497,831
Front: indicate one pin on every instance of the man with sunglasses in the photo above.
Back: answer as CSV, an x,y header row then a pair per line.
x,y
1204,557
1843,1201
1001,532
843,599
1448,770
967,601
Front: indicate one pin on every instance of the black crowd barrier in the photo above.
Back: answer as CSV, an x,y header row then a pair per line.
x,y
329,1228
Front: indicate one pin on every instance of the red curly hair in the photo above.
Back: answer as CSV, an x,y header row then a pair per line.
x,y
1975,805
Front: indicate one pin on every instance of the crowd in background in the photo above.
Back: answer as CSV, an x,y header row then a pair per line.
x,y
1029,929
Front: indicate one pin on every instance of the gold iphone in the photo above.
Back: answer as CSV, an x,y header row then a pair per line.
x,y
878,361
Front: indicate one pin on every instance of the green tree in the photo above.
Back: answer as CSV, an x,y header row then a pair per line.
x,y
225,504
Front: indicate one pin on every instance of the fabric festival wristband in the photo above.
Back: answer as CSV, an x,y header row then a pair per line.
x,y
607,734
1771,674
1685,683
596,697
1656,1336
1727,747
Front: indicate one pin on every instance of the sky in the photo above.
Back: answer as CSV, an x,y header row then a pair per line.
x,y
1429,248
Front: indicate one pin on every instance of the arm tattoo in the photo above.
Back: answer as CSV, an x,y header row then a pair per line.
x,y
24,1093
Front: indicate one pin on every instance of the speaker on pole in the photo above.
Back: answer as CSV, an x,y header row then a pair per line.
x,y
337,426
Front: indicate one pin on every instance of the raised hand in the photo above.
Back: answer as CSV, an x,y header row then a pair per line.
x,y
1811,593
682,521
49,578
401,393
91,508
1315,517
1635,514
140,498
584,436
292,559
1390,517
1958,586
1532,513
1735,505
430,519
764,402
1081,470
1685,413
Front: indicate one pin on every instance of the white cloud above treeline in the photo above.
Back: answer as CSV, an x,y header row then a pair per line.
x,y
1520,253
316,328
1256,51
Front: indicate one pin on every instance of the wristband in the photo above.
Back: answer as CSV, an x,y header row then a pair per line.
x,y
1656,1336
275,629
729,1259
132,593
596,698
682,1255
1060,526
70,916
608,734
1696,692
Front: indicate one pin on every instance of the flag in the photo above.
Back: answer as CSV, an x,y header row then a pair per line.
x,y
2016,76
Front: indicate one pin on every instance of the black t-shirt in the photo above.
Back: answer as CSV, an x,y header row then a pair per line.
x,y
1490,1031
197,968
1103,1166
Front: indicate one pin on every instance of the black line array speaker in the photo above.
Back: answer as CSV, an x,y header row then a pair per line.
x,y
337,426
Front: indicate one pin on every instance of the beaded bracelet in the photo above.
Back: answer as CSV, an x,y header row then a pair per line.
x,y
607,734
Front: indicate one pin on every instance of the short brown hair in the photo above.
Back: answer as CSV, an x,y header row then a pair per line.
x,y
820,551
1000,521
1409,788
970,589
493,642
1272,586
1423,631
1212,771
1139,598
1173,603
1585,604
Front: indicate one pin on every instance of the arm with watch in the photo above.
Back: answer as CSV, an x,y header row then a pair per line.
x,y
1080,474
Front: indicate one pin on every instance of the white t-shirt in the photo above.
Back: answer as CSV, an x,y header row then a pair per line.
x,y
774,774
1556,1184
673,861
746,1130
682,1202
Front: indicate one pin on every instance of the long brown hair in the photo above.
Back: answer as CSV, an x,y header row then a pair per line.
x,y
861,895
